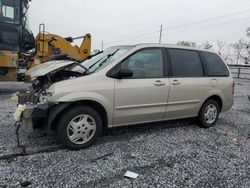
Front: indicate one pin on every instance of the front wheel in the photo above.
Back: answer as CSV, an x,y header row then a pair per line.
x,y
208,114
79,127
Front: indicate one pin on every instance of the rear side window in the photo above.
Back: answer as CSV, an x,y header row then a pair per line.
x,y
186,63
214,64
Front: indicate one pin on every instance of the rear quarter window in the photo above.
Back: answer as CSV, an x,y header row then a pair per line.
x,y
214,65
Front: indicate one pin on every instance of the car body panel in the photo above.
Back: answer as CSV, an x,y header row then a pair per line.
x,y
186,97
92,88
138,100
47,67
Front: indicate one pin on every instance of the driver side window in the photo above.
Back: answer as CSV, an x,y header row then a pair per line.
x,y
146,63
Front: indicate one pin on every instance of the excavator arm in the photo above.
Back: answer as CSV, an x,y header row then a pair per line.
x,y
49,45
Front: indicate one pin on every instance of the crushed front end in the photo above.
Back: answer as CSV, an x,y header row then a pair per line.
x,y
34,104
32,110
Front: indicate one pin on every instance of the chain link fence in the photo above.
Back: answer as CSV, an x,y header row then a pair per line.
x,y
242,72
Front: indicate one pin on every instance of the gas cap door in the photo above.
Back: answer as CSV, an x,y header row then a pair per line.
x,y
214,82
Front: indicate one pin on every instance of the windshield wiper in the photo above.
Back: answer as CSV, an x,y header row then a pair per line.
x,y
90,56
95,54
107,57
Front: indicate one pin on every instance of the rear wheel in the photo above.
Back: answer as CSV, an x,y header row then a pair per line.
x,y
208,114
79,127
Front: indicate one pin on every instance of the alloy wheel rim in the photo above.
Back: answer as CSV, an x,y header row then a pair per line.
x,y
81,129
210,113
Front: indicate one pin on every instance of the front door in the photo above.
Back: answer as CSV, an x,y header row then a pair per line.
x,y
143,97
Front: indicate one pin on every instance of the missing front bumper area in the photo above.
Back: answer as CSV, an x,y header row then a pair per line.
x,y
28,118
32,114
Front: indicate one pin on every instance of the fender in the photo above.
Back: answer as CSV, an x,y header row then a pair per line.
x,y
65,100
54,111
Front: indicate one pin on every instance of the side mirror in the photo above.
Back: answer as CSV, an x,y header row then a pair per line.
x,y
119,74
124,73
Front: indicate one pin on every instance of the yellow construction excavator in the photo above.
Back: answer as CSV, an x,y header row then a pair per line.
x,y
52,46
19,50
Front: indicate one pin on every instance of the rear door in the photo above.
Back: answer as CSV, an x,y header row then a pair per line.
x,y
143,97
188,86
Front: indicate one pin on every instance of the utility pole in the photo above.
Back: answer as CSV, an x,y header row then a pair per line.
x,y
102,45
160,35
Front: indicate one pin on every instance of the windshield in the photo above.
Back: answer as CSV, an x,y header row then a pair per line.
x,y
10,11
100,61
76,67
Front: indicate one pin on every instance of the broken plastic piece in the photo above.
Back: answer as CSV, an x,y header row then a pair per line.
x,y
229,133
130,174
17,114
14,97
236,141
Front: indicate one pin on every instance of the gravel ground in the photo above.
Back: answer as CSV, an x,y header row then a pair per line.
x,y
166,154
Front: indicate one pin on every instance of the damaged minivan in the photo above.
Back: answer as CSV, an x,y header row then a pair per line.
x,y
125,85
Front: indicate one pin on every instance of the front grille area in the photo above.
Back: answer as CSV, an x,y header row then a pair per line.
x,y
24,98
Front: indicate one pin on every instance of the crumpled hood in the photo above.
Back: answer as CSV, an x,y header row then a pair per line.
x,y
45,68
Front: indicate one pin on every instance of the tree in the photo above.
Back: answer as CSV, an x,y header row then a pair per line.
x,y
242,49
187,43
248,46
203,45
238,48
224,50
248,32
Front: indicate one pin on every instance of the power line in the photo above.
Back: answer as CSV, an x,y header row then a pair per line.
x,y
136,40
202,27
135,37
187,25
224,7
146,37
232,4
149,37
208,20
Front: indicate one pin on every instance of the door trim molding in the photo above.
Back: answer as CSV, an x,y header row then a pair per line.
x,y
183,102
140,106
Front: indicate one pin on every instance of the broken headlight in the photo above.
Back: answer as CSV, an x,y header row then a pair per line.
x,y
43,97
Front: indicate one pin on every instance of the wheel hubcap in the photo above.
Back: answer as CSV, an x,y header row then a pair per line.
x,y
210,113
81,129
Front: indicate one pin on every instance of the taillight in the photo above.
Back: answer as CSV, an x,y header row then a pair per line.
x,y
233,89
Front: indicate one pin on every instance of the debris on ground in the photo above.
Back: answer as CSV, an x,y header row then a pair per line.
x,y
130,174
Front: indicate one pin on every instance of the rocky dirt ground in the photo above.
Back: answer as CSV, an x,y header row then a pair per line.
x,y
166,154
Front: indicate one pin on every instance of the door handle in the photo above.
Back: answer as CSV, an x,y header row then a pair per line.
x,y
175,82
159,83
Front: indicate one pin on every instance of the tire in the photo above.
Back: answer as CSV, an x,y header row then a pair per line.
x,y
79,127
208,114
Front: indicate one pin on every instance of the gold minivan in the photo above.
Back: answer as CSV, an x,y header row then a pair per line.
x,y
126,85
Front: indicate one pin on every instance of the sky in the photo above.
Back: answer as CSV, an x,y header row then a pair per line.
x,y
117,22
